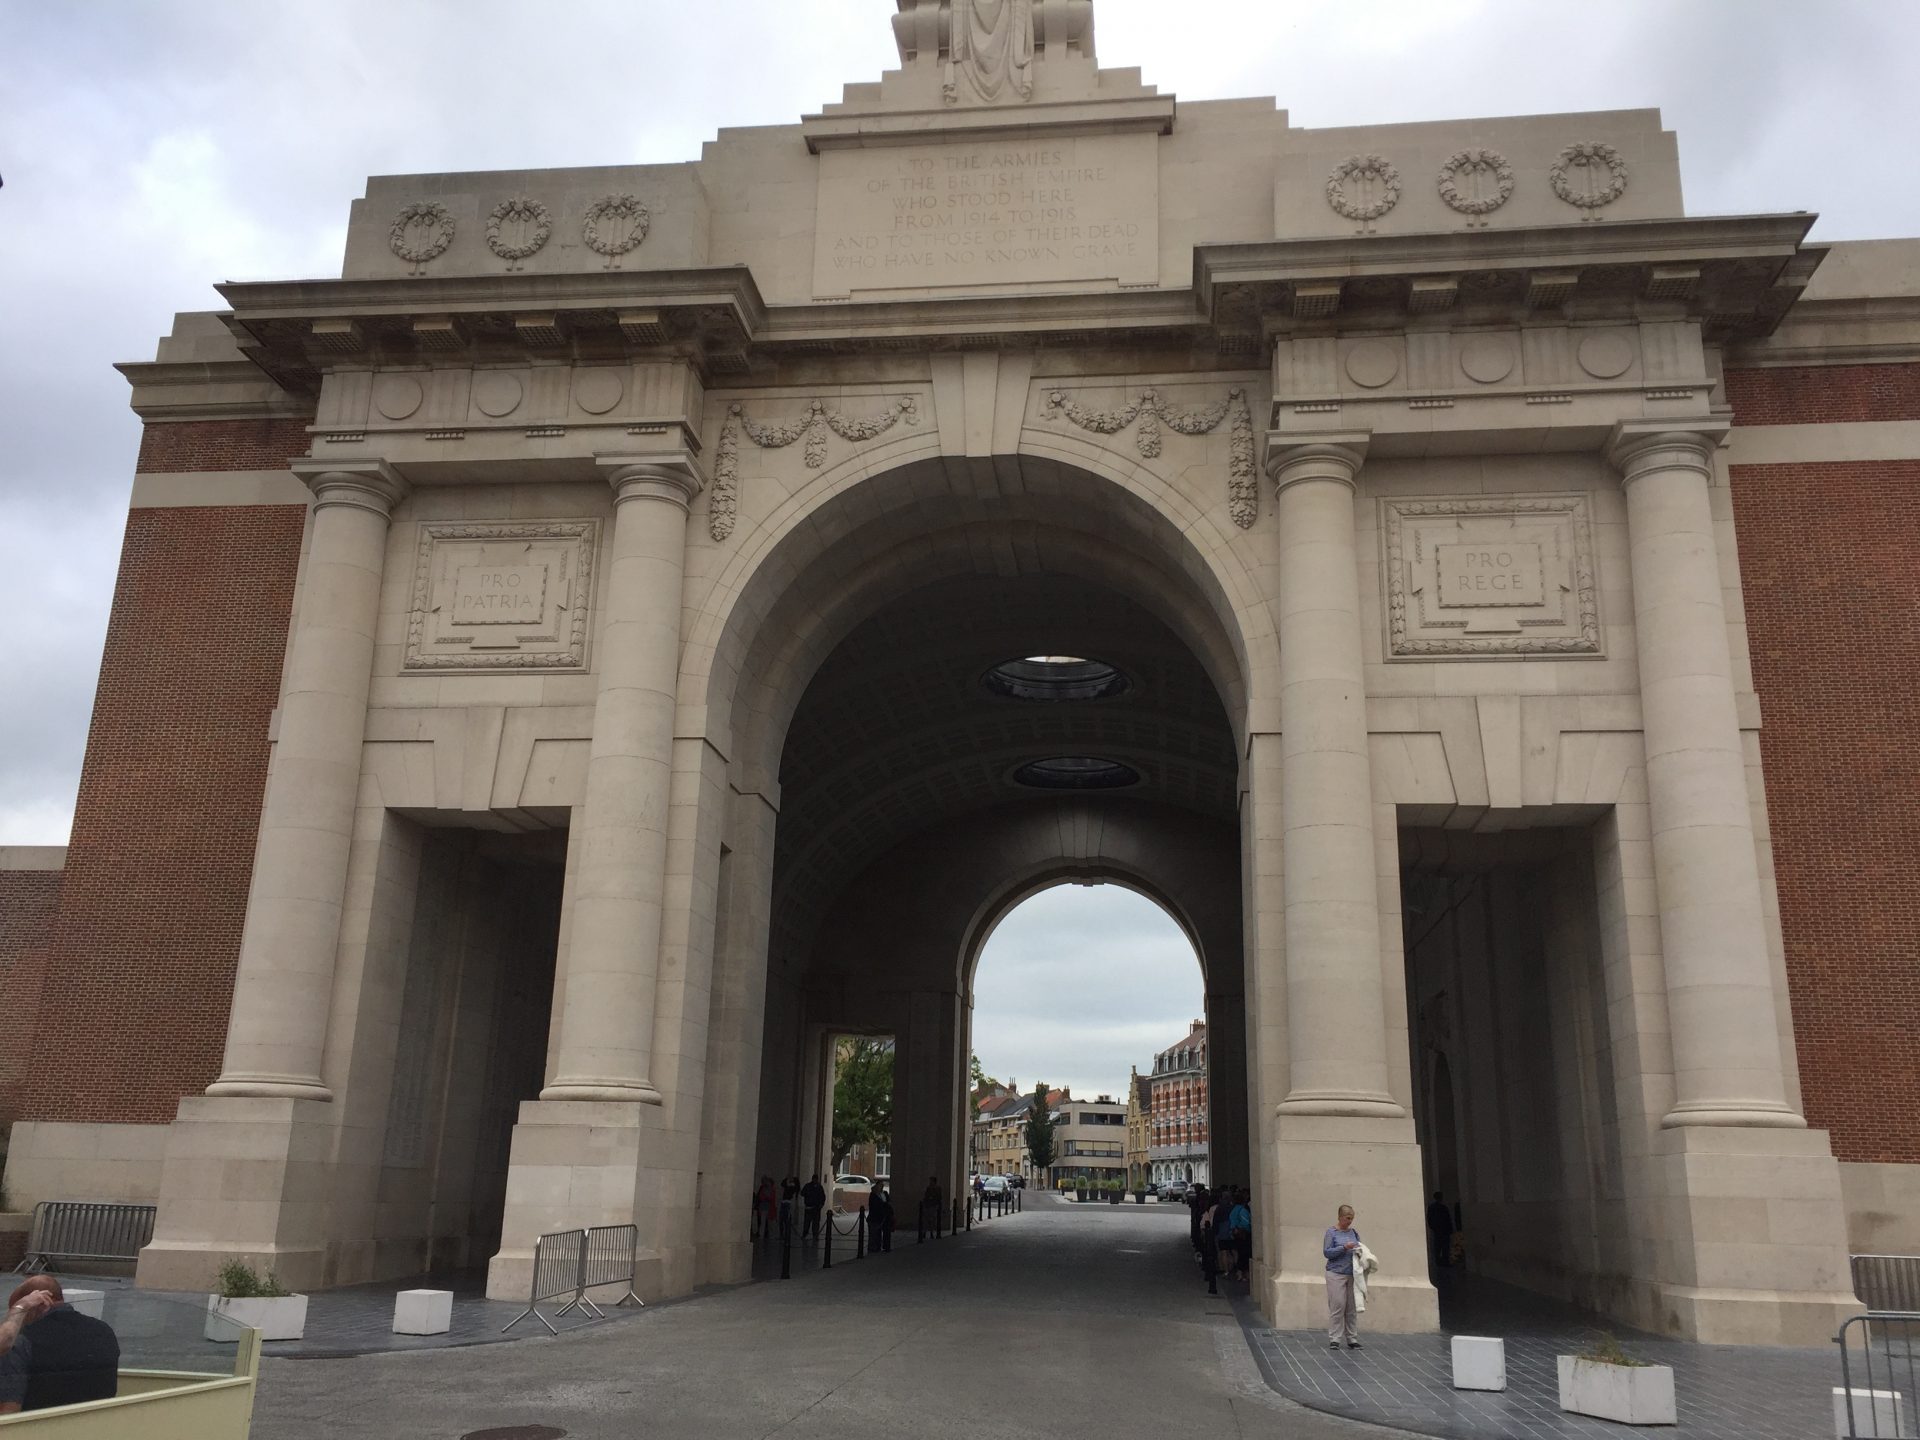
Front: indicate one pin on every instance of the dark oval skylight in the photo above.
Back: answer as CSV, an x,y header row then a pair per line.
x,y
1076,772
1054,677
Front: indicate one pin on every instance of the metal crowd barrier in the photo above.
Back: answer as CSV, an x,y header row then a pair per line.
x,y
611,1257
1884,1402
1887,1282
557,1262
69,1230
572,1262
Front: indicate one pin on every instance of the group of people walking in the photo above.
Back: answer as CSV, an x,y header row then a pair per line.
x,y
1222,1232
774,1208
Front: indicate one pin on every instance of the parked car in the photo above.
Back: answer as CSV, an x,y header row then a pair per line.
x,y
1174,1190
1153,1187
1017,1182
850,1192
994,1185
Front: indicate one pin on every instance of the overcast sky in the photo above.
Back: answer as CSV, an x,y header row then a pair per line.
x,y
1078,984
151,148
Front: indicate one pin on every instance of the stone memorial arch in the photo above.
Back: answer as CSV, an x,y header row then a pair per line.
x,y
663,616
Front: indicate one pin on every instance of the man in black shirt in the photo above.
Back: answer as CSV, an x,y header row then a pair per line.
x,y
61,1358
814,1194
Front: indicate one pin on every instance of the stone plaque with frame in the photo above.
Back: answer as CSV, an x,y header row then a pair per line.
x,y
502,596
1488,576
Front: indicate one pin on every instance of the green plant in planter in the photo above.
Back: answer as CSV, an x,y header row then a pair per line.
x,y
240,1281
1603,1349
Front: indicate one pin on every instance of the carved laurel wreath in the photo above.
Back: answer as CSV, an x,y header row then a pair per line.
x,y
813,426
1585,158
430,222
1462,162
519,208
1243,486
612,242
1363,167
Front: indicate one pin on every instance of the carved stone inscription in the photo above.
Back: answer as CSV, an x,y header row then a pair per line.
x,y
1082,208
1506,575
1501,575
511,596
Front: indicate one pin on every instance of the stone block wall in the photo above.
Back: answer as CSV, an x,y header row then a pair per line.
x,y
142,949
1828,563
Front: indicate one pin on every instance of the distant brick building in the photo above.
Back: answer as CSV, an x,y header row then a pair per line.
x,y
1178,1147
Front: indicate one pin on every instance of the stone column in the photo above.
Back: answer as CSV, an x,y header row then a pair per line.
x,y
1720,1000
613,959
1336,1015
283,990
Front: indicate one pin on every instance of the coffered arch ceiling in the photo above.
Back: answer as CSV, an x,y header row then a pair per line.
x,y
897,733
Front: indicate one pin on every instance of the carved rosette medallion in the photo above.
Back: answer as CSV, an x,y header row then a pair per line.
x,y
517,229
1590,176
813,427
1151,412
420,233
1481,576
509,596
1363,188
614,226
1476,183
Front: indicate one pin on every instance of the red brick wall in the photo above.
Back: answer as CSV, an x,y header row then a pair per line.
x,y
28,899
170,449
1824,394
141,961
1830,562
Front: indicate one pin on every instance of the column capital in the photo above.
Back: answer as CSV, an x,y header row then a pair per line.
x,y
363,484
1644,447
1329,455
671,475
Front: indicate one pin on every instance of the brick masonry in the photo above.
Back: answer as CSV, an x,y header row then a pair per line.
x,y
1824,394
179,446
141,958
28,900
1828,562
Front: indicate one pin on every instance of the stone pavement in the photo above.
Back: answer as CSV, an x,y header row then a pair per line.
x,y
1404,1381
1064,1321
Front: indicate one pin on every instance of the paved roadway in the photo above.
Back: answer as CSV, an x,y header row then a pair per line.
x,y
1065,1320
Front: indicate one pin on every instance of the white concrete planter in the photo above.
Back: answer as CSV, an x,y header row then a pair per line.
x,y
1631,1394
281,1318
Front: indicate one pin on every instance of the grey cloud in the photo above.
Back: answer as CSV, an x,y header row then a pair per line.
x,y
1078,984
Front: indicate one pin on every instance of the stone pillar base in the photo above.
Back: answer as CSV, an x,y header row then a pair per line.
x,y
728,1262
247,1179
1757,1239
576,1164
1322,1163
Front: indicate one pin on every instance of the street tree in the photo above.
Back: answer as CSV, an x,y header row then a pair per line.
x,y
862,1095
1039,1135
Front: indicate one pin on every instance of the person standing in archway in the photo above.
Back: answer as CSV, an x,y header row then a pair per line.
x,y
1339,1246
815,1197
1440,1232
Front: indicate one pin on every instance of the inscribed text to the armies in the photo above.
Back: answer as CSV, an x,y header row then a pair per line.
x,y
988,214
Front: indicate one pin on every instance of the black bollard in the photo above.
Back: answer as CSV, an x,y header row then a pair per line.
x,y
860,1236
921,1238
786,1247
826,1245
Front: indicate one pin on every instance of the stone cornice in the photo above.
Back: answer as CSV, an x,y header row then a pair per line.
x,y
1041,120
1863,330
1737,275
294,329
209,390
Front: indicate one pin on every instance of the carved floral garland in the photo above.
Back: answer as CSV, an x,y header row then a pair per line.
x,y
520,208
434,220
1586,157
1463,161
813,427
1243,486
1363,167
610,240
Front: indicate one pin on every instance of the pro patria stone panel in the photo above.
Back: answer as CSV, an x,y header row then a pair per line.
x,y
1078,208
507,596
1510,575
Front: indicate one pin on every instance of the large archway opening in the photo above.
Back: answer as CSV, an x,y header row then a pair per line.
x,y
959,700
1083,990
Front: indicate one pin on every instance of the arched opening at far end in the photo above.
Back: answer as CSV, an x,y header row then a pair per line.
x,y
1079,993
